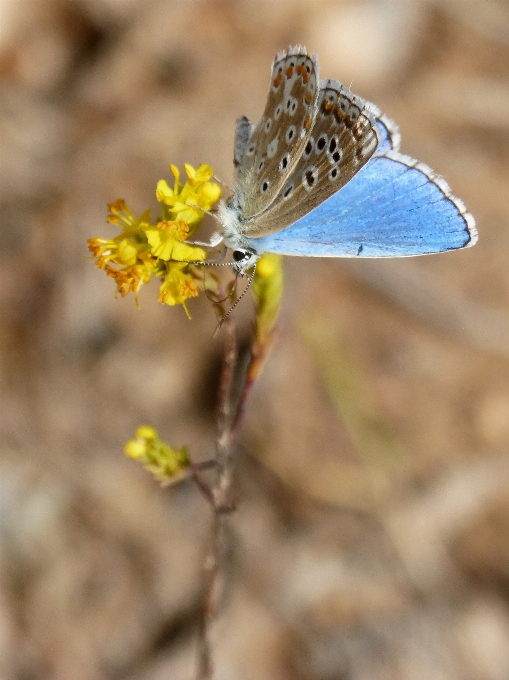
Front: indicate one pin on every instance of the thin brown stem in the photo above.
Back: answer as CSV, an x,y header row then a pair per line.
x,y
219,496
219,493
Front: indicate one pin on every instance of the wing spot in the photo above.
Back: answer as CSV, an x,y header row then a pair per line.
x,y
326,107
264,187
287,192
261,164
308,148
321,143
289,70
329,99
277,80
309,177
352,116
361,128
268,125
272,147
334,173
333,149
334,152
291,105
284,162
308,97
278,111
290,134
341,109
250,150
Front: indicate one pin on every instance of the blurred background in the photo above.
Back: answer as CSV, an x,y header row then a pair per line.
x,y
372,536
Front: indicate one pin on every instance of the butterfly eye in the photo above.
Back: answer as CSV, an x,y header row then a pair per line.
x,y
239,255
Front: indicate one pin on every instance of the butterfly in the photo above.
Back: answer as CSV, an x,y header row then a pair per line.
x,y
321,175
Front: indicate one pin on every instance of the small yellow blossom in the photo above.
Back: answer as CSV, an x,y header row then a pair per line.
x,y
197,191
177,287
129,279
166,242
122,216
162,460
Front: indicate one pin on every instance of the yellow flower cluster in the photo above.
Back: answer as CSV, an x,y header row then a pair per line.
x,y
144,249
160,459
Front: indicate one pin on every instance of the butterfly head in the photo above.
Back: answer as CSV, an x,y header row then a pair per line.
x,y
243,260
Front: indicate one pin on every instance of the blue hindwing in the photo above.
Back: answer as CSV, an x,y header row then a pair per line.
x,y
393,207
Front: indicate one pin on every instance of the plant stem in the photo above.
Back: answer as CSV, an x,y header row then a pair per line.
x,y
219,496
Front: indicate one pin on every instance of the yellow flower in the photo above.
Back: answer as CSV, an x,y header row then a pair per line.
x,y
143,249
177,287
162,460
123,252
166,242
123,217
130,279
197,191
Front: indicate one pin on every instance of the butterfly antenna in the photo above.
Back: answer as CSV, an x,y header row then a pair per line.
x,y
223,184
211,213
249,282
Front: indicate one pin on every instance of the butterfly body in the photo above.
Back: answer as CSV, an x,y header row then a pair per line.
x,y
321,175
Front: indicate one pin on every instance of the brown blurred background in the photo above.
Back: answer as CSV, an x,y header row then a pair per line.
x,y
372,537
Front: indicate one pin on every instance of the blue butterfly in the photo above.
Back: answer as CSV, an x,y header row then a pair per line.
x,y
321,175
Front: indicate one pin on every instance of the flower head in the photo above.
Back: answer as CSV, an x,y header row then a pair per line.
x,y
144,249
198,191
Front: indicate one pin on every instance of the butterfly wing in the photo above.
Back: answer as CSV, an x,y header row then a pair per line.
x,y
343,137
281,131
395,206
388,131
